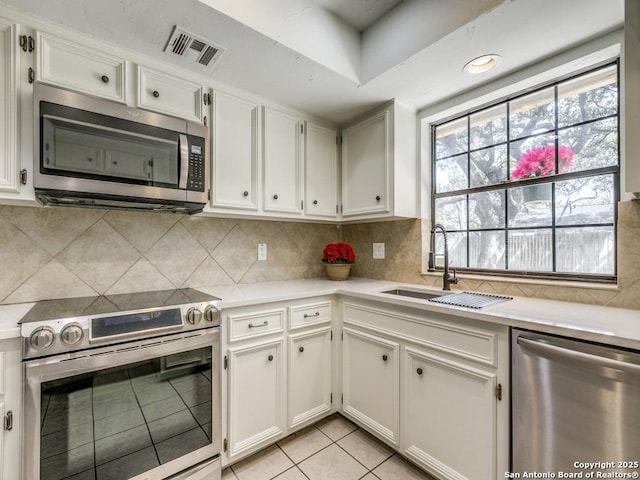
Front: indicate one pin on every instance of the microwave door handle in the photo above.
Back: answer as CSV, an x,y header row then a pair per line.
x,y
184,161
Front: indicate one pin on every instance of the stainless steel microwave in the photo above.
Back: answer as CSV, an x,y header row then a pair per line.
x,y
91,152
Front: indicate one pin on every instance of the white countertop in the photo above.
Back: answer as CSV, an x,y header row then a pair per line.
x,y
615,326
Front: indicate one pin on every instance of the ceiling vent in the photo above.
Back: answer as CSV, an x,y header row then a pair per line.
x,y
192,47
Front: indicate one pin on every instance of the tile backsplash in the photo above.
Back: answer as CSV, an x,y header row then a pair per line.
x,y
73,252
405,256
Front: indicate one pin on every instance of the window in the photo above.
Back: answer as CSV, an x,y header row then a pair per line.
x,y
529,186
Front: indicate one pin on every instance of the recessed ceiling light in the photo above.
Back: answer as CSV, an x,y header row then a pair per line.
x,y
482,64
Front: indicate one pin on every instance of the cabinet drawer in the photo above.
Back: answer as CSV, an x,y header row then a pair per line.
x,y
166,94
255,324
79,68
305,315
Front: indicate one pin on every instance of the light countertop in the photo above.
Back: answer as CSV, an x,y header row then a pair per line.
x,y
615,326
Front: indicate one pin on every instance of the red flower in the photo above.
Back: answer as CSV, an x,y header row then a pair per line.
x,y
338,253
541,161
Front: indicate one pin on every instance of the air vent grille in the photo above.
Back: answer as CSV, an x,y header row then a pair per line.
x,y
192,47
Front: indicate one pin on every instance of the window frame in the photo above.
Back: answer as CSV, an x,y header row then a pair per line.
x,y
551,180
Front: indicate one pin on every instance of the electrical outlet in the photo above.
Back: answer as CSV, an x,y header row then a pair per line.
x,y
262,251
378,250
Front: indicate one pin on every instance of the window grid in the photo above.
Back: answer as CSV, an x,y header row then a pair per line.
x,y
552,179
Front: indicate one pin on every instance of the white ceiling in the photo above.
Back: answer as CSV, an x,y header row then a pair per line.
x,y
360,14
337,58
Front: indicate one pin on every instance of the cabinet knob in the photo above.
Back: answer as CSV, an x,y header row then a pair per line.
x,y
155,93
385,358
104,79
377,198
270,358
245,193
301,349
275,197
419,371
315,202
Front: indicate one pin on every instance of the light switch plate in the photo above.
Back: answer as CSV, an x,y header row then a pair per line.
x,y
378,250
262,251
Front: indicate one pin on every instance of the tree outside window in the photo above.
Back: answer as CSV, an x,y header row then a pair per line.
x,y
530,186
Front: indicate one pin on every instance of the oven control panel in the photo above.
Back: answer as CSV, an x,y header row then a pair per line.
x,y
49,337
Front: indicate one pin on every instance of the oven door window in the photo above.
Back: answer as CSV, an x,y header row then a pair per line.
x,y
120,422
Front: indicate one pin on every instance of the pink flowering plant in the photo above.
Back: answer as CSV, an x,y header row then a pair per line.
x,y
541,161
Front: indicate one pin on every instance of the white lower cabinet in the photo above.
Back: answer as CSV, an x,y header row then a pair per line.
x,y
370,382
450,416
256,390
309,375
433,386
10,409
278,372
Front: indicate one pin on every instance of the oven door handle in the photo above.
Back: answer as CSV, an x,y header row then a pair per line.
x,y
184,161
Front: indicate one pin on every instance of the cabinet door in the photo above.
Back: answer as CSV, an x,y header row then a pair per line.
x,y
309,375
235,153
9,159
256,396
164,93
321,171
365,166
282,150
10,404
74,66
449,416
371,388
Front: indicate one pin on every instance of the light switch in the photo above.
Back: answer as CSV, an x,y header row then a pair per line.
x,y
262,251
378,250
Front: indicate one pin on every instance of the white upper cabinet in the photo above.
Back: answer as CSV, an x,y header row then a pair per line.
x,y
234,147
72,65
380,165
365,163
282,151
9,161
167,94
321,171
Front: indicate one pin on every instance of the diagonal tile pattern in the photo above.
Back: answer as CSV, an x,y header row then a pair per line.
x,y
332,449
70,252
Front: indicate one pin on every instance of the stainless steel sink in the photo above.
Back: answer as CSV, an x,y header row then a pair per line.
x,y
412,293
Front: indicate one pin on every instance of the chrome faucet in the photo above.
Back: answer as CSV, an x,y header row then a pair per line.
x,y
447,280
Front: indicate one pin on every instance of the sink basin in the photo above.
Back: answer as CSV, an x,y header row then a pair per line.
x,y
412,293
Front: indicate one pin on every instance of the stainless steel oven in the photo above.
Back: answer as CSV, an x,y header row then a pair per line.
x,y
123,387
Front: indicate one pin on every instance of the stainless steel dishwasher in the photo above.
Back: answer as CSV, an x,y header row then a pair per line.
x,y
575,407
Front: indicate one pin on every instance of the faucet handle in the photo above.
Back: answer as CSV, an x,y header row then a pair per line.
x,y
454,280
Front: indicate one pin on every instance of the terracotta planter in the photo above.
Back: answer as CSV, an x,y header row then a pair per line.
x,y
338,271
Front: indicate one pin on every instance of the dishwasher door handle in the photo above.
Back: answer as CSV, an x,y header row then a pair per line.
x,y
579,356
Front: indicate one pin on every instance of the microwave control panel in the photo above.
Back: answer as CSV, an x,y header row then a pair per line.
x,y
195,181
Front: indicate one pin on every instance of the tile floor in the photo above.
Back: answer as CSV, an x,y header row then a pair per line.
x,y
332,449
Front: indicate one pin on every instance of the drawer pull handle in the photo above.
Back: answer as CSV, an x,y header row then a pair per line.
x,y
301,349
384,358
156,93
263,324
270,358
245,193
317,314
104,79
419,371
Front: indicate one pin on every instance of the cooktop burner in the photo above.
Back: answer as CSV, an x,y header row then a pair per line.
x,y
103,304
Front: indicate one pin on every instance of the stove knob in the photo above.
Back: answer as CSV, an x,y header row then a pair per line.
x,y
41,338
194,316
71,334
212,314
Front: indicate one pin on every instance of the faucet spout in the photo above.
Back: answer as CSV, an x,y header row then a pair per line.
x,y
447,280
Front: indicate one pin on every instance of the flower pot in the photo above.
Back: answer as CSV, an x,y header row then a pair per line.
x,y
338,271
536,193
